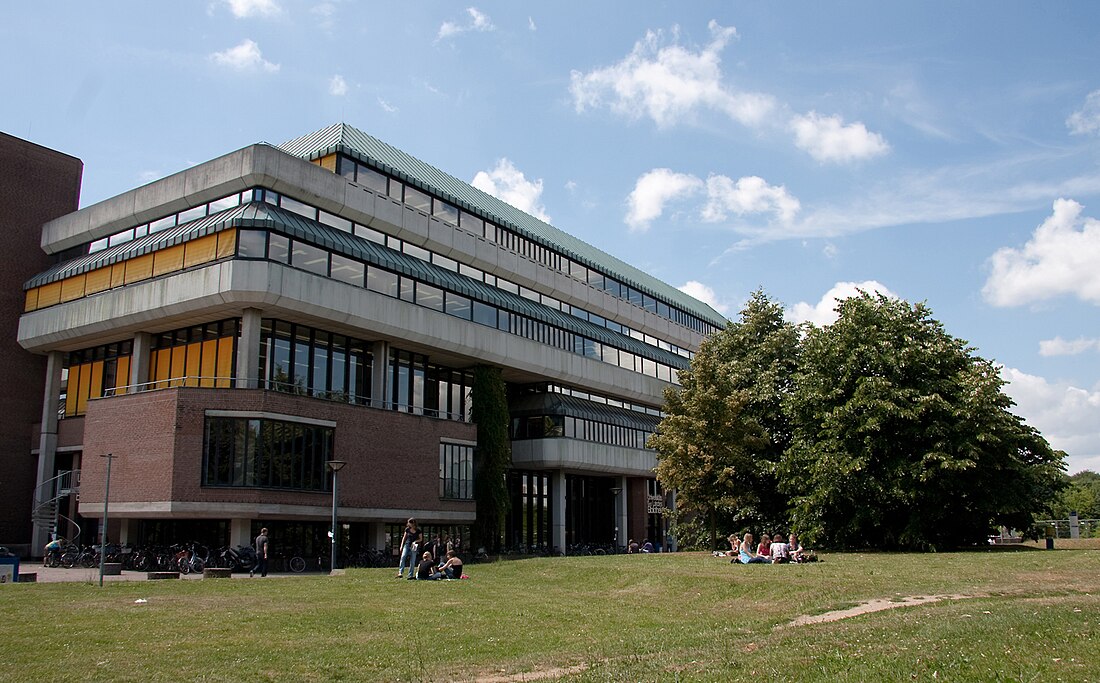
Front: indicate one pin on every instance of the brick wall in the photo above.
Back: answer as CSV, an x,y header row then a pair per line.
x,y
392,458
36,185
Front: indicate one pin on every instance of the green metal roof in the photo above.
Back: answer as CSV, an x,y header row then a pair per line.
x,y
346,139
261,215
538,404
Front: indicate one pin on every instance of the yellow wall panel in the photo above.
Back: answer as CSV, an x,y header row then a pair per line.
x,y
227,243
72,287
118,275
161,367
122,375
50,294
194,366
328,163
168,260
32,300
179,359
140,268
97,281
225,361
209,366
200,251
83,388
72,388
95,386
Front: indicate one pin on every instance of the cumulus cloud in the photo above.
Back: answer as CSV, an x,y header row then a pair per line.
x,y
1087,119
704,294
507,183
824,311
250,8
1060,258
1066,415
652,191
244,57
531,24
667,82
337,86
387,107
750,194
478,21
828,140
1067,347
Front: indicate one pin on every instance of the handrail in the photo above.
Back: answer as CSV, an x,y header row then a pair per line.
x,y
58,487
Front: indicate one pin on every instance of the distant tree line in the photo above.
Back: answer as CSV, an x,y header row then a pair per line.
x,y
879,430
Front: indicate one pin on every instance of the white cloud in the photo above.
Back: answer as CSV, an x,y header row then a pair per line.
x,y
337,86
704,294
830,250
387,107
244,57
571,185
824,311
668,82
828,139
652,191
1087,119
1067,347
248,8
507,183
1065,415
531,24
750,194
1060,258
478,21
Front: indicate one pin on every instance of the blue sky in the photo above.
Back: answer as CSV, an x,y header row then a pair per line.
x,y
940,151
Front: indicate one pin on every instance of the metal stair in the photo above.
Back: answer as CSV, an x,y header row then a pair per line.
x,y
48,497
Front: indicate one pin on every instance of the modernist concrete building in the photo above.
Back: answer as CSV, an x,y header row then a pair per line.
x,y
226,331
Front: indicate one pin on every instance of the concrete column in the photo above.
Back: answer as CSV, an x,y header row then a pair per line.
x,y
248,349
621,519
376,535
557,523
124,527
139,362
47,438
380,375
240,532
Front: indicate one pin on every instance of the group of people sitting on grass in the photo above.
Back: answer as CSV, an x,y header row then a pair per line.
x,y
447,568
774,550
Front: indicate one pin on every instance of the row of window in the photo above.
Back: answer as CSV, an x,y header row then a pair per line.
x,y
264,453
197,356
433,206
171,221
569,427
551,388
429,256
261,244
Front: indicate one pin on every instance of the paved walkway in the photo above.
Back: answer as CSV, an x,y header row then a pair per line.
x,y
82,575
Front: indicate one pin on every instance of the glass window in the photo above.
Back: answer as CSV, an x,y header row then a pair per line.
x,y
192,214
458,306
484,314
347,270
345,167
162,224
396,189
370,234
429,297
278,248
225,203
471,223
382,281
408,290
311,258
334,221
370,178
444,262
470,271
445,212
98,245
300,208
418,200
507,286
418,252
251,243
121,237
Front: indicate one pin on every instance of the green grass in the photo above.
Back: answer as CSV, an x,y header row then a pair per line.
x,y
1035,616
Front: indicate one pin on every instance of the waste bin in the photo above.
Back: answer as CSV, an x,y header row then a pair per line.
x,y
1050,538
9,569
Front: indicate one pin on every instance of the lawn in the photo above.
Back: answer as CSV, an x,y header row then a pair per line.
x,y
1022,615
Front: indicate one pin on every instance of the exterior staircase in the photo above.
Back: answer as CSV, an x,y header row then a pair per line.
x,y
48,497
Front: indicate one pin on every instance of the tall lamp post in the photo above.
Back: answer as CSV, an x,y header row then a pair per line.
x,y
335,466
103,533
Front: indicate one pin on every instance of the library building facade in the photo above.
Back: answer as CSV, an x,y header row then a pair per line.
x,y
213,340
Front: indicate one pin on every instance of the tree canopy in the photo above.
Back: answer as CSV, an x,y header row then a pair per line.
x,y
879,430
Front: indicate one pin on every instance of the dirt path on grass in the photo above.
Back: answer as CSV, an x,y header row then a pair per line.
x,y
532,675
874,606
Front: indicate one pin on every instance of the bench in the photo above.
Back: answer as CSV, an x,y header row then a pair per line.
x,y
154,576
217,573
27,577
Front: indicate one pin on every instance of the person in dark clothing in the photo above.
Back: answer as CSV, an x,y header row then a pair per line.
x,y
262,546
426,569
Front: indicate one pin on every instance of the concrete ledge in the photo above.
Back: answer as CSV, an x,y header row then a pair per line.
x,y
217,573
27,577
112,569
153,576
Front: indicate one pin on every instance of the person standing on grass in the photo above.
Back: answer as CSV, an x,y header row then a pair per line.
x,y
262,547
409,538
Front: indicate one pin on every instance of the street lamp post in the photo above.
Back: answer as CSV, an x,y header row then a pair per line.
x,y
334,466
103,532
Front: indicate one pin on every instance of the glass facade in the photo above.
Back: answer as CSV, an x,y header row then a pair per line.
x,y
527,527
264,453
456,471
303,360
197,356
92,373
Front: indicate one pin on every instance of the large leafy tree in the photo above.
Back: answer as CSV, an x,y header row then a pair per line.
x,y
902,436
1081,495
492,456
724,430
